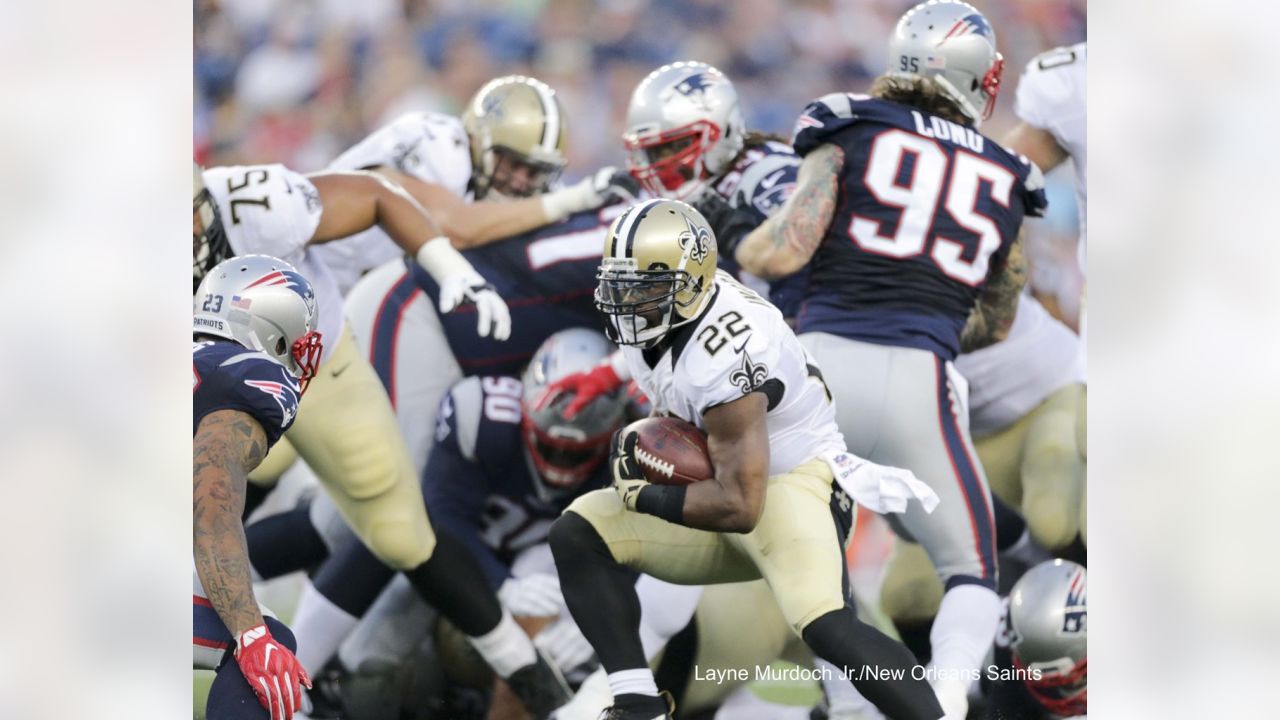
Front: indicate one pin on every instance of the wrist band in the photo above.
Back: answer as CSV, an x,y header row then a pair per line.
x,y
664,501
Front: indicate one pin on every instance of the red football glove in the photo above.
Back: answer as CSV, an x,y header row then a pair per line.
x,y
586,386
273,672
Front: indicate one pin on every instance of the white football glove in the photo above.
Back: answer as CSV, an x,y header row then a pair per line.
x,y
564,644
536,595
607,185
459,282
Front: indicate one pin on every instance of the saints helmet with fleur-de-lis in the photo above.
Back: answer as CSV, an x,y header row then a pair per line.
x,y
657,273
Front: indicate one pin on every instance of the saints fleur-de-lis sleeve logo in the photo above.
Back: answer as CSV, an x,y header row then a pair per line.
x,y
750,375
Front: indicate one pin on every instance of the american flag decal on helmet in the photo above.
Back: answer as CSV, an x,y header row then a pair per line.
x,y
974,24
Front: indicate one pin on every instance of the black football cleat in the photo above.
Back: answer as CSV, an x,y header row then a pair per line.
x,y
540,687
641,707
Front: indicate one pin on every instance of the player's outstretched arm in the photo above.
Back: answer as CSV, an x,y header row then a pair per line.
x,y
1037,144
997,305
738,444
471,224
355,201
784,243
228,444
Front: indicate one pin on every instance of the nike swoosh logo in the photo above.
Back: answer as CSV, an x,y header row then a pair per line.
x,y
266,654
740,348
340,370
772,179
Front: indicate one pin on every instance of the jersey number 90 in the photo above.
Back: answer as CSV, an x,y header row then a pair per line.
x,y
918,201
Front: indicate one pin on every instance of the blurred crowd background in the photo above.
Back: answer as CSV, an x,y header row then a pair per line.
x,y
298,81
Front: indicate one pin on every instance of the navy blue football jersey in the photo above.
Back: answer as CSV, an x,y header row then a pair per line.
x,y
925,208
546,276
760,182
227,376
478,483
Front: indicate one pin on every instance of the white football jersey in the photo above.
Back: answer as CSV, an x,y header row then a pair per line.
x,y
272,210
741,345
428,146
1052,96
1009,379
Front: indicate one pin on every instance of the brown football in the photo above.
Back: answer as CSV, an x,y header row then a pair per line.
x,y
671,451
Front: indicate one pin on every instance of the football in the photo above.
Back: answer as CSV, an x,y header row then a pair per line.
x,y
671,451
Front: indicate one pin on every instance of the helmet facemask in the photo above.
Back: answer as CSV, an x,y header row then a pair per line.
x,y
566,452
672,163
1063,687
508,174
640,305
209,243
306,358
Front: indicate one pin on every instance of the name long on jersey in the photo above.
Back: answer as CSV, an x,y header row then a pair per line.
x,y
926,208
546,276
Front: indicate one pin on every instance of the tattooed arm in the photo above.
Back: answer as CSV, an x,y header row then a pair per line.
x,y
228,444
993,314
783,244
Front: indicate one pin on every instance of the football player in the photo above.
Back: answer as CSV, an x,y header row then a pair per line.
x,y
686,140
485,176
500,472
1052,104
254,351
908,218
704,348
346,430
1042,651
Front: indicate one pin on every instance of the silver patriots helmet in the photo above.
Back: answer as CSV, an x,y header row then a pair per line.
x,y
563,452
954,45
684,126
262,303
1048,630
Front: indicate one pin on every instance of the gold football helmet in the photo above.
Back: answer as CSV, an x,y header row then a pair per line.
x,y
516,127
657,273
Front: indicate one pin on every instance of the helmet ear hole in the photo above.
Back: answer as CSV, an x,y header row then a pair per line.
x,y
280,346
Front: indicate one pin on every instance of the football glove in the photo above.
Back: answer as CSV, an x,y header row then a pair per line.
x,y
607,185
536,595
584,386
275,675
628,479
459,282
564,644
730,224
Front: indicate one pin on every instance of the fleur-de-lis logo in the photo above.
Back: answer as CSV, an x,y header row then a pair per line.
x,y
696,242
750,376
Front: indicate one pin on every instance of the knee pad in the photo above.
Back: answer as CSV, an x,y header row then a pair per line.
x,y
403,542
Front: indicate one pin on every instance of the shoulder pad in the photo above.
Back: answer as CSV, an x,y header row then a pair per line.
x,y
826,115
267,209
768,182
